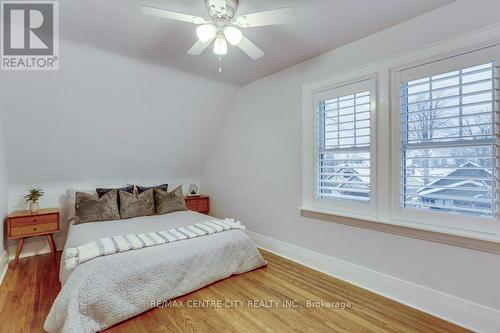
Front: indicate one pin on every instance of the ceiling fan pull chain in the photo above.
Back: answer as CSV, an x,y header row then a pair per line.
x,y
220,64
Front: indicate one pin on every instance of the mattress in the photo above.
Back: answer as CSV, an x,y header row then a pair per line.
x,y
107,290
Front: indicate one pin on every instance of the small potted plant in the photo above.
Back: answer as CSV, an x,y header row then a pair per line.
x,y
34,194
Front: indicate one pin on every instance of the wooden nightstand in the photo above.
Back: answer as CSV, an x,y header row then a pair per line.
x,y
198,203
24,224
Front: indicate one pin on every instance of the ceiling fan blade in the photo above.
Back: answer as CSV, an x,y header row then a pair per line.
x,y
250,48
199,47
268,17
152,11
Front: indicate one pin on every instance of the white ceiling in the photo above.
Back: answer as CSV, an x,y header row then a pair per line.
x,y
321,25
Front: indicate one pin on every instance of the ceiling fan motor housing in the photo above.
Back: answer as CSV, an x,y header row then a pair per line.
x,y
216,11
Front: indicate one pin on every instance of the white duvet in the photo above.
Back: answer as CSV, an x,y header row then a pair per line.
x,y
109,289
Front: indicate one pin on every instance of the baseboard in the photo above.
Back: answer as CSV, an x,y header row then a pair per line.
x,y
4,265
462,312
35,247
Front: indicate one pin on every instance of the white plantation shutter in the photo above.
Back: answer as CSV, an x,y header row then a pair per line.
x,y
343,137
449,135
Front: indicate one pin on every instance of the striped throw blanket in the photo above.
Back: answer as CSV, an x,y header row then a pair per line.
x,y
110,245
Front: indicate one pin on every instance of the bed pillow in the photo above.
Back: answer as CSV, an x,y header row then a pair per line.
x,y
135,205
140,189
168,202
71,199
102,190
91,208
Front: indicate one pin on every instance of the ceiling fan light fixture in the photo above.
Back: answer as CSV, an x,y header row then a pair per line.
x,y
220,45
206,32
233,35
221,25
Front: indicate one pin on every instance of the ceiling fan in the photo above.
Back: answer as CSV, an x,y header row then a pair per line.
x,y
220,27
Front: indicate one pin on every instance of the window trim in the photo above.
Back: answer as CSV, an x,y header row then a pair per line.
x,y
310,96
451,61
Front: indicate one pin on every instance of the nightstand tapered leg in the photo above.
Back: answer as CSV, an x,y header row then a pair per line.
x,y
50,239
18,250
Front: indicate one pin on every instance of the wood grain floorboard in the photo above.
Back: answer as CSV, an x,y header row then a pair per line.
x,y
285,287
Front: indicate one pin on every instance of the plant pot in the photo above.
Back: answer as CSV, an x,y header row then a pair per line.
x,y
34,207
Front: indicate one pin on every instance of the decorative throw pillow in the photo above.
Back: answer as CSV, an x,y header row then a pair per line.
x,y
91,208
163,187
102,191
134,205
167,202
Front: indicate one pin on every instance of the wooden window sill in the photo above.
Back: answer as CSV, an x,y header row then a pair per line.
x,y
476,241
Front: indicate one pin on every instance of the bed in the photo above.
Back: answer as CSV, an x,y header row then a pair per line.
x,y
109,289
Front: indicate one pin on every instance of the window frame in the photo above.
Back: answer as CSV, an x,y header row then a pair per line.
x,y
424,68
323,90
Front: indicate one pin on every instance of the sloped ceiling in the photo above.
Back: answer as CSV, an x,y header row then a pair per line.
x,y
108,119
321,25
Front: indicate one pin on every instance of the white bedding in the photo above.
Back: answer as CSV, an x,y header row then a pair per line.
x,y
109,289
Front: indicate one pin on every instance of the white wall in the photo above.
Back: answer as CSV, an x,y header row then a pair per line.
x,y
103,117
254,170
106,119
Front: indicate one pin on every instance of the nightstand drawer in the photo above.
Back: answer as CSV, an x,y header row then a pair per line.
x,y
33,220
199,208
195,202
33,229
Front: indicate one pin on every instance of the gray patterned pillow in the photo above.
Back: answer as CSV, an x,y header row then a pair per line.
x,y
91,208
167,202
134,205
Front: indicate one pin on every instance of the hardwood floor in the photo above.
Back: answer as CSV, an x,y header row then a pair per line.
x,y
28,291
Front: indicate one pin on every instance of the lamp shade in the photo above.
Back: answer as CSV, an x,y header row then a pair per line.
x,y
220,45
233,35
205,32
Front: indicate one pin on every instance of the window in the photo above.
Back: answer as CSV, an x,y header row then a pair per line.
x,y
343,138
448,139
408,148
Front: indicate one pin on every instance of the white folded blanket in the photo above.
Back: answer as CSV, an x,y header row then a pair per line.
x,y
110,245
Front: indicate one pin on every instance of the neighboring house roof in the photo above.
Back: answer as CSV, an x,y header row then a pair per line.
x,y
348,174
345,169
449,186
